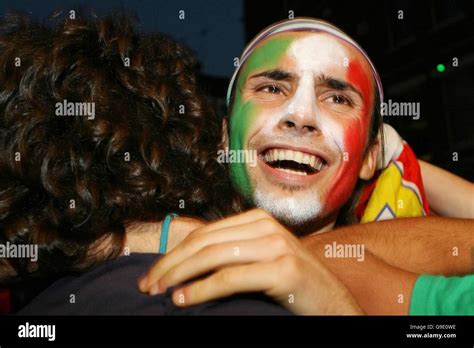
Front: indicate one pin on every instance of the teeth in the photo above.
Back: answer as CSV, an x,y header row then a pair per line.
x,y
306,159
292,171
275,155
297,156
318,165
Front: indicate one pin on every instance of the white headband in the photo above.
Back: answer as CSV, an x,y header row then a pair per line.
x,y
301,24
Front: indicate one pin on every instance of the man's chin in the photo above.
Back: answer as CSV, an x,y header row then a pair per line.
x,y
294,211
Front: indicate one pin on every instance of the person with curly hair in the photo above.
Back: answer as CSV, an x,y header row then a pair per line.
x,y
103,133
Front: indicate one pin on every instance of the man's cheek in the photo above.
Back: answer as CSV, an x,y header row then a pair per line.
x,y
343,184
354,142
240,123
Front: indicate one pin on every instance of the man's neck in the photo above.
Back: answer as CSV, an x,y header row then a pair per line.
x,y
315,226
144,237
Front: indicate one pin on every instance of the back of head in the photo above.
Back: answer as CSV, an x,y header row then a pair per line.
x,y
99,127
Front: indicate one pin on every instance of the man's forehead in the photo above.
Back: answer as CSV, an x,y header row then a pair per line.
x,y
306,50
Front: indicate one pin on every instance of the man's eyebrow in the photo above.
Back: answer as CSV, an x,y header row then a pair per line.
x,y
277,75
338,84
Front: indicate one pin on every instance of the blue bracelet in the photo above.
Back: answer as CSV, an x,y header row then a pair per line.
x,y
165,226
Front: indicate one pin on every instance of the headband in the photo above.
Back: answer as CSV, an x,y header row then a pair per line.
x,y
301,24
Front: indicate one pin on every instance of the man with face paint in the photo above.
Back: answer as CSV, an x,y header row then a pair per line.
x,y
303,100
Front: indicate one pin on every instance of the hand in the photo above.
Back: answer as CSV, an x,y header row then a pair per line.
x,y
249,252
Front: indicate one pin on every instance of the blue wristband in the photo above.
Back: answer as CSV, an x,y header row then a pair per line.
x,y
165,226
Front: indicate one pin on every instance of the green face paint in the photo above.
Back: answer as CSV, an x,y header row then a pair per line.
x,y
265,57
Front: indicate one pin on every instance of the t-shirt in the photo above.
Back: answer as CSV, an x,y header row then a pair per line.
x,y
439,295
111,289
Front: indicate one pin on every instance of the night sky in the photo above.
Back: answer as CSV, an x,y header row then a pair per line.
x,y
213,29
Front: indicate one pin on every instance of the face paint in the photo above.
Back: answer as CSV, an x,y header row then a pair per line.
x,y
264,57
312,62
355,137
348,132
359,78
319,125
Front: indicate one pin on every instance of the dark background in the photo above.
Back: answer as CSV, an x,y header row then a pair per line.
x,y
405,51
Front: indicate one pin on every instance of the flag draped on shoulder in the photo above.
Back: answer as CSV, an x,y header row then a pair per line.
x,y
396,192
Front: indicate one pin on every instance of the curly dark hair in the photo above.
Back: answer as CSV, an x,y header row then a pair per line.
x,y
69,182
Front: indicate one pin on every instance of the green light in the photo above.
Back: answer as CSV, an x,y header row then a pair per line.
x,y
440,67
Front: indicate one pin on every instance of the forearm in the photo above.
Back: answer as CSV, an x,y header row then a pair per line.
x,y
378,288
447,194
431,245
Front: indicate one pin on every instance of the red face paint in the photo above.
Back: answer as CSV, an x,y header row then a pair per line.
x,y
355,136
357,129
358,77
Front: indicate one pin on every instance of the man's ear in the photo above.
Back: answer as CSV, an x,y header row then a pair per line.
x,y
225,134
369,165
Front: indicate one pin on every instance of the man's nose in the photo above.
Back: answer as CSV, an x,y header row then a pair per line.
x,y
301,116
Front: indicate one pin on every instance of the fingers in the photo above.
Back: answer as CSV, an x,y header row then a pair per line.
x,y
226,282
239,219
189,247
225,254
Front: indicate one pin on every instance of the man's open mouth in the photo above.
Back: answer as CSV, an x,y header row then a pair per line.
x,y
293,162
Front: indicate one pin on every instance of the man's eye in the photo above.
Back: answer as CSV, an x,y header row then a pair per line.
x,y
270,89
340,99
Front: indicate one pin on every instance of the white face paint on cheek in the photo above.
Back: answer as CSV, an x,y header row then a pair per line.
x,y
331,129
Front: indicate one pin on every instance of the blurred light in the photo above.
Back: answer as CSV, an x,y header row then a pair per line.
x,y
440,67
